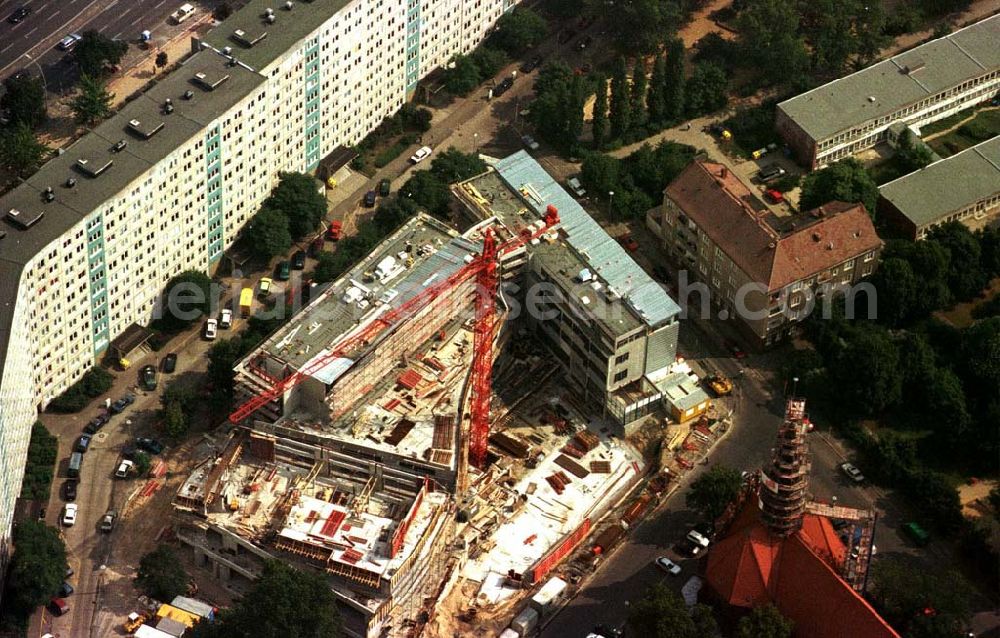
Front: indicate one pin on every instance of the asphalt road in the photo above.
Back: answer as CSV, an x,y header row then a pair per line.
x,y
31,44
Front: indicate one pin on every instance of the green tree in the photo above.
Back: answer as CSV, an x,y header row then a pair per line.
x,y
519,30
162,59
764,621
898,288
601,173
912,154
428,191
268,234
599,124
902,591
639,26
222,11
453,165
94,51
488,61
175,421
93,383
966,277
42,451
872,350
21,153
673,92
96,382
846,180
706,89
299,197
574,111
161,575
640,86
661,613
187,298
712,492
142,464
24,99
462,77
93,104
656,100
37,568
222,356
620,115
282,602
769,39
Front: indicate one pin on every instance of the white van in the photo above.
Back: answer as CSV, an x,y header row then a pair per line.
x,y
182,14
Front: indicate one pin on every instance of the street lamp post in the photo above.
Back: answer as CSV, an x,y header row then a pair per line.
x,y
611,203
41,72
475,142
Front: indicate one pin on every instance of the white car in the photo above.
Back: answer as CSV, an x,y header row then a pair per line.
x,y
124,468
530,142
422,153
69,42
852,472
211,328
697,539
668,565
225,318
69,514
575,186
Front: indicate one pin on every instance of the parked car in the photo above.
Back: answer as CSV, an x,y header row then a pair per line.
x,y
69,490
96,424
370,199
529,142
108,521
607,631
69,41
124,468
532,64
336,229
502,87
769,173
59,606
697,538
150,445
65,590
211,329
576,187
668,565
283,271
82,443
384,188
422,153
852,472
119,406
264,287
19,14
226,319
735,349
299,260
69,514
170,362
628,242
774,196
147,377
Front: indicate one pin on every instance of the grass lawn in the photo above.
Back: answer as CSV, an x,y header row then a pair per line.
x,y
886,171
943,125
984,126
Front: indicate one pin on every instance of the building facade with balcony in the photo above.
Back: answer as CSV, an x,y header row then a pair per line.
x,y
764,271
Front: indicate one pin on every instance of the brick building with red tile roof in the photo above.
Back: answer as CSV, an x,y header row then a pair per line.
x,y
758,266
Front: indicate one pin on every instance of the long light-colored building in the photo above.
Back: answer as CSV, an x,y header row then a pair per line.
x,y
167,184
916,87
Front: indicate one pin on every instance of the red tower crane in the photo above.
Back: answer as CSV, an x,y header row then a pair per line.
x,y
484,268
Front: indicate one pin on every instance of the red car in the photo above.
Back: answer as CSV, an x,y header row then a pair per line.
x,y
629,243
773,196
335,230
735,349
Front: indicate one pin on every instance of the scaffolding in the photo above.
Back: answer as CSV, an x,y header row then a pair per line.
x,y
785,482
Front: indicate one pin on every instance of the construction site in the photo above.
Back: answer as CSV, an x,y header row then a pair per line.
x,y
420,430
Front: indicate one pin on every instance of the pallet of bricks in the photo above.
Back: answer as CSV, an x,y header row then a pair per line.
x,y
581,443
558,481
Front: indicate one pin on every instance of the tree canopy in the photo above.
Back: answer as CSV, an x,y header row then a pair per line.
x,y
94,51
519,30
37,568
93,104
20,151
268,233
705,90
282,602
712,492
662,613
24,99
846,180
904,592
187,298
299,198
161,574
42,451
93,383
764,621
